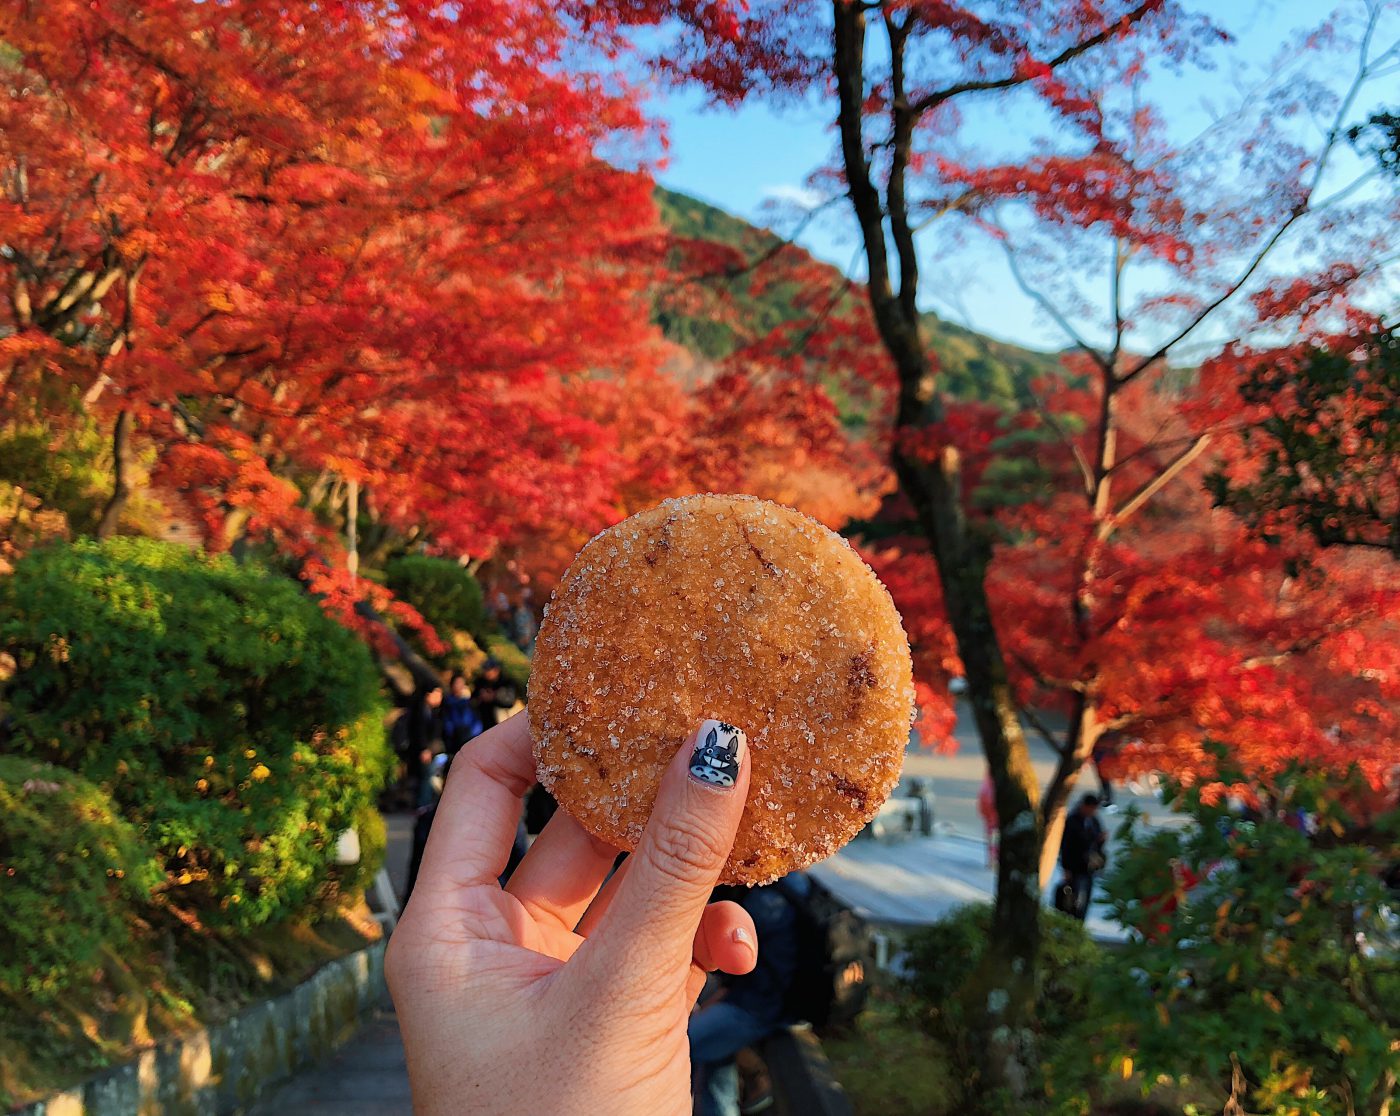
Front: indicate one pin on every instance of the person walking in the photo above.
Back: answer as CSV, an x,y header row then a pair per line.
x,y
523,625
424,716
1106,749
1082,855
492,694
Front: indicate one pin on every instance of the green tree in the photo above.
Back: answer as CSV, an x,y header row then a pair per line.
x,y
1263,954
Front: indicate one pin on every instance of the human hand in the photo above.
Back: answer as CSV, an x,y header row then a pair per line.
x,y
557,994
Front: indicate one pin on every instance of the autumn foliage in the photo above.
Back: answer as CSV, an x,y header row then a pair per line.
x,y
281,256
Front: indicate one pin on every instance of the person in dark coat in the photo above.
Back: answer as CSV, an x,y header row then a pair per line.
x,y
487,692
424,716
1082,853
746,1009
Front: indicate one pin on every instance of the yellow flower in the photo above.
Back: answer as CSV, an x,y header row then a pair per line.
x,y
201,785
260,773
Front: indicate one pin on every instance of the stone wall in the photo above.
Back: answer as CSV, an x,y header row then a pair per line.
x,y
225,1068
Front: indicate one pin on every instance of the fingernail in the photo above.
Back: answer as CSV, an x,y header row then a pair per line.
x,y
740,936
719,749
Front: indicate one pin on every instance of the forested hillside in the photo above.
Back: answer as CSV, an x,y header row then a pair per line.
x,y
973,365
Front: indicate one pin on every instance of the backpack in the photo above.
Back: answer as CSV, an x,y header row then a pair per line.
x,y
835,956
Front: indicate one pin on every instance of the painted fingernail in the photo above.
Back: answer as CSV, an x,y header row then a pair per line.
x,y
719,749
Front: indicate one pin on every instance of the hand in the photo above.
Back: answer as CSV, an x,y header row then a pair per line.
x,y
557,994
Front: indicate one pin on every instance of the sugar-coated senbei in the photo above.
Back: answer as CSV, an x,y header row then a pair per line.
x,y
740,610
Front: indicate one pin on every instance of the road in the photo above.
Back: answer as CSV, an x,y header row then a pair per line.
x,y
957,777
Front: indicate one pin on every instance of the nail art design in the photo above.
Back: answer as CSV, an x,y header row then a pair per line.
x,y
716,757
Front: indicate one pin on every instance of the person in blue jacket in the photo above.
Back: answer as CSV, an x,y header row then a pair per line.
x,y
460,720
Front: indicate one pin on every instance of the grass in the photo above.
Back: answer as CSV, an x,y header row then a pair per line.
x,y
887,1065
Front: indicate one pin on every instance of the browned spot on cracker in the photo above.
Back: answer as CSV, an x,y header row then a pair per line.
x,y
860,675
764,560
854,791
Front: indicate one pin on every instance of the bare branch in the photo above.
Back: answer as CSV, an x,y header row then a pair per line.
x,y
1145,493
932,100
1060,747
1300,208
1040,299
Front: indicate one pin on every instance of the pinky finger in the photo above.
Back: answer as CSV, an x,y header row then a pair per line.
x,y
726,940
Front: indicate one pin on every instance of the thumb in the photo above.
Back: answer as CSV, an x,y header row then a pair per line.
x,y
647,934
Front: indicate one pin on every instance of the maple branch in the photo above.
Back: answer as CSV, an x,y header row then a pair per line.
x,y
834,301
1060,432
1299,208
1041,300
953,206
1149,489
1120,263
1169,443
902,134
932,100
849,68
1046,733
772,252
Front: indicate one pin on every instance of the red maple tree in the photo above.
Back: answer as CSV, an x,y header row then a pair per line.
x,y
288,253
1097,581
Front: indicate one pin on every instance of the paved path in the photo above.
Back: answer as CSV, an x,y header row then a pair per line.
x,y
917,881
365,1077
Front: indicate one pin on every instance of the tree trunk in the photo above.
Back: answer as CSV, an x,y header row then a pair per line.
x,y
1002,994
121,477
1081,736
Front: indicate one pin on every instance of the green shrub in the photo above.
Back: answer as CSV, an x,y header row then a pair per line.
x,y
1277,977
944,959
73,876
222,710
515,664
447,595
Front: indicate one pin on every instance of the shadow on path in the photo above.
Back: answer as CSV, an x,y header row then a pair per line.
x,y
366,1077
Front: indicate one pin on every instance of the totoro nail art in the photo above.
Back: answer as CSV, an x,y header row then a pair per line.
x,y
715,761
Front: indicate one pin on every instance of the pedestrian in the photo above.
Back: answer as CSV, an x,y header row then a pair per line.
x,y
460,720
987,807
424,740
487,692
523,625
744,1010
1106,749
1082,854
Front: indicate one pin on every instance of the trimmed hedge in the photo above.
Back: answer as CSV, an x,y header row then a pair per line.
x,y
73,875
447,595
225,714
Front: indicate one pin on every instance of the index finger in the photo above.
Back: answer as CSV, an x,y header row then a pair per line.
x,y
476,820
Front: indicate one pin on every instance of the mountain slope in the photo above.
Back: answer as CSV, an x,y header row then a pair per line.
x,y
972,365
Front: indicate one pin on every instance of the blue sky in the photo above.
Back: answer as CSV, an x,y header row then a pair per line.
x,y
744,161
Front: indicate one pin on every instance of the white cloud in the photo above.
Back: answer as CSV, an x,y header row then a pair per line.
x,y
802,196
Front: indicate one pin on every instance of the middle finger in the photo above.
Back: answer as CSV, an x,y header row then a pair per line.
x,y
562,872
